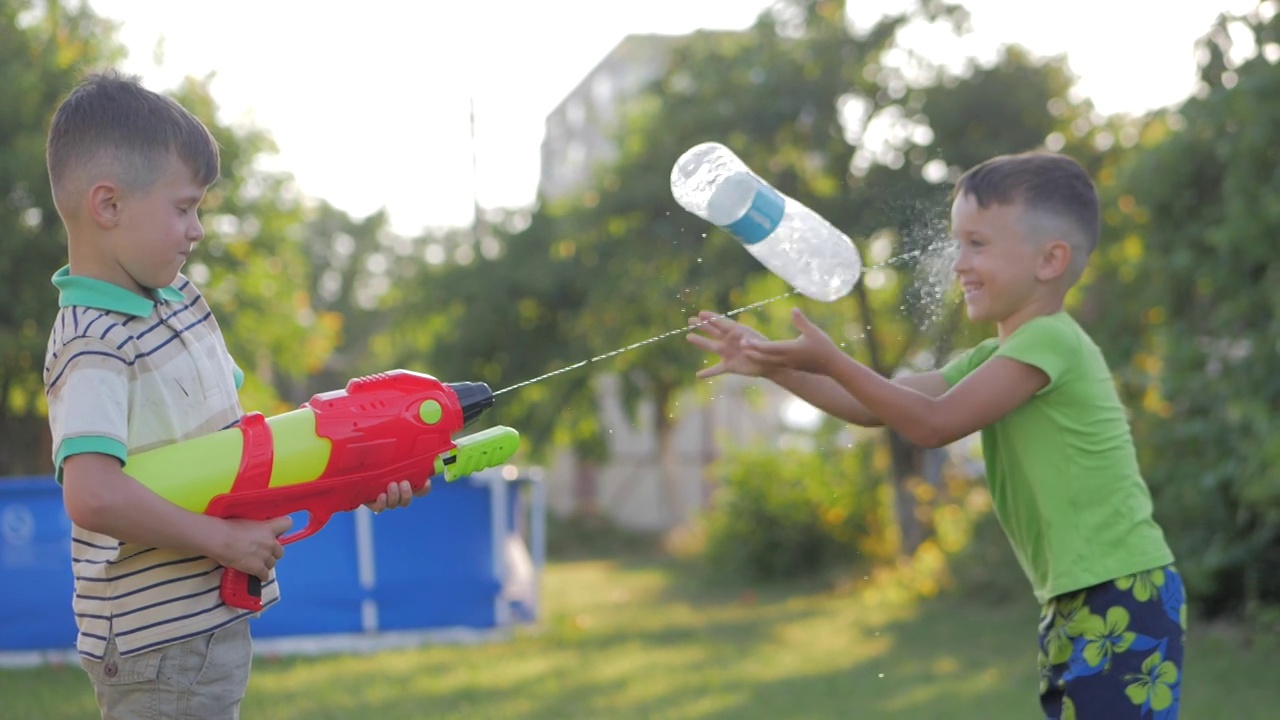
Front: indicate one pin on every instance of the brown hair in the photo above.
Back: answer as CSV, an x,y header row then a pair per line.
x,y
1043,182
110,118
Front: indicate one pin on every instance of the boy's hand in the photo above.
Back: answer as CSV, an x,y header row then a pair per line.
x,y
253,547
726,338
398,494
811,352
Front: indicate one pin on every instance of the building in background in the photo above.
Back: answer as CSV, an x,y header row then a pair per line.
x,y
579,133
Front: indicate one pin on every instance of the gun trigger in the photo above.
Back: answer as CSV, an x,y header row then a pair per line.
x,y
316,521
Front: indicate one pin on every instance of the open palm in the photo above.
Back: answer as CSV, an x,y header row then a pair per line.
x,y
718,334
811,351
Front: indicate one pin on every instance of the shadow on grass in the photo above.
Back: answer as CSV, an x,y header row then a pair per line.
x,y
641,635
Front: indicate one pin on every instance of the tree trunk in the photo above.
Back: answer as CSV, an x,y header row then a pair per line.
x,y
908,468
586,486
668,465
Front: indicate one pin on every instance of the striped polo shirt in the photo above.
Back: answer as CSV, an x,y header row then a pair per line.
x,y
124,374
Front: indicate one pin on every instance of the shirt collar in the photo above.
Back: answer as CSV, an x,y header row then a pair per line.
x,y
90,292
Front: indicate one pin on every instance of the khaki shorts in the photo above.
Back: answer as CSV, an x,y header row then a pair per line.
x,y
204,677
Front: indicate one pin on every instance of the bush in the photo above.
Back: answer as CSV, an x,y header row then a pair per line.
x,y
579,537
786,514
984,567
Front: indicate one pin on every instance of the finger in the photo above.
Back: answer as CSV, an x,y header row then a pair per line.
x,y
770,352
426,488
710,372
715,321
281,525
704,326
704,343
805,325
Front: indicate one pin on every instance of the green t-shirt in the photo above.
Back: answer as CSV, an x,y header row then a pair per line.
x,y
1062,468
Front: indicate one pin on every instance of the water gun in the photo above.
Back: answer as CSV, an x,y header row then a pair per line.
x,y
338,451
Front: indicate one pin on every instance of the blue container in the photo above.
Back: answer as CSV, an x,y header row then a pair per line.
x,y
442,563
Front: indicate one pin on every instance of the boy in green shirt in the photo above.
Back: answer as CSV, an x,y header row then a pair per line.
x,y
1061,465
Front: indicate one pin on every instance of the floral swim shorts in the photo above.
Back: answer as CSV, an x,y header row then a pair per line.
x,y
1114,651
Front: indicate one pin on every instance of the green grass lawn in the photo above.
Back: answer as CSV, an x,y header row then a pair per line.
x,y
643,638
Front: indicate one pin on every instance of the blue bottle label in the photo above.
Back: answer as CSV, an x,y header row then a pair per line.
x,y
761,219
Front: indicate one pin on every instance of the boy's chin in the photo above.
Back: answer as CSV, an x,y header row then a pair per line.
x,y
159,281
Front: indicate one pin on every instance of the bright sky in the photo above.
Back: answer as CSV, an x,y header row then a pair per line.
x,y
370,106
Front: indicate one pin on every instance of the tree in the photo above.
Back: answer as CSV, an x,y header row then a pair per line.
x,y
1192,298
800,97
601,271
250,265
44,47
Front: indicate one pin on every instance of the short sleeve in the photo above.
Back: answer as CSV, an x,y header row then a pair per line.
x,y
1046,343
88,398
956,370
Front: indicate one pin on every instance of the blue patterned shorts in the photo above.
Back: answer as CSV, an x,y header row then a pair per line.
x,y
1114,651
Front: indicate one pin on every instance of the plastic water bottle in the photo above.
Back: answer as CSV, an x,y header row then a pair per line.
x,y
789,239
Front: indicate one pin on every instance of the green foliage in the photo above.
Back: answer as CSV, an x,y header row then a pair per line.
x,y
984,567
594,537
252,265
1192,301
789,514
44,47
620,262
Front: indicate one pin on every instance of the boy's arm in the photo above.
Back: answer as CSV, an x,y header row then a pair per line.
x,y
985,395
829,396
101,498
728,339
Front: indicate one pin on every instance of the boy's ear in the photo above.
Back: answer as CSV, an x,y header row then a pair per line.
x,y
104,205
1055,260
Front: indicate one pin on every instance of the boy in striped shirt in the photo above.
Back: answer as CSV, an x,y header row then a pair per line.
x,y
136,361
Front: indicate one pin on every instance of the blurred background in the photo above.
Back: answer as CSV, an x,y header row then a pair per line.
x,y
480,192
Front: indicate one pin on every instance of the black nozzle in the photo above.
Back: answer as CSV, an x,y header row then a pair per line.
x,y
474,397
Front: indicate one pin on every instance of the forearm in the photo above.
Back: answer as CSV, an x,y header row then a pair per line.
x,y
825,394
105,500
910,412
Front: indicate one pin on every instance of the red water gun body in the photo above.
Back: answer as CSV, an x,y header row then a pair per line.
x,y
381,429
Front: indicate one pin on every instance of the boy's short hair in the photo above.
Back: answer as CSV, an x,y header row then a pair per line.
x,y
1055,187
110,124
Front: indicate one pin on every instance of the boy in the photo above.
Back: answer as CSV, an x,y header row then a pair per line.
x,y
1060,460
135,361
